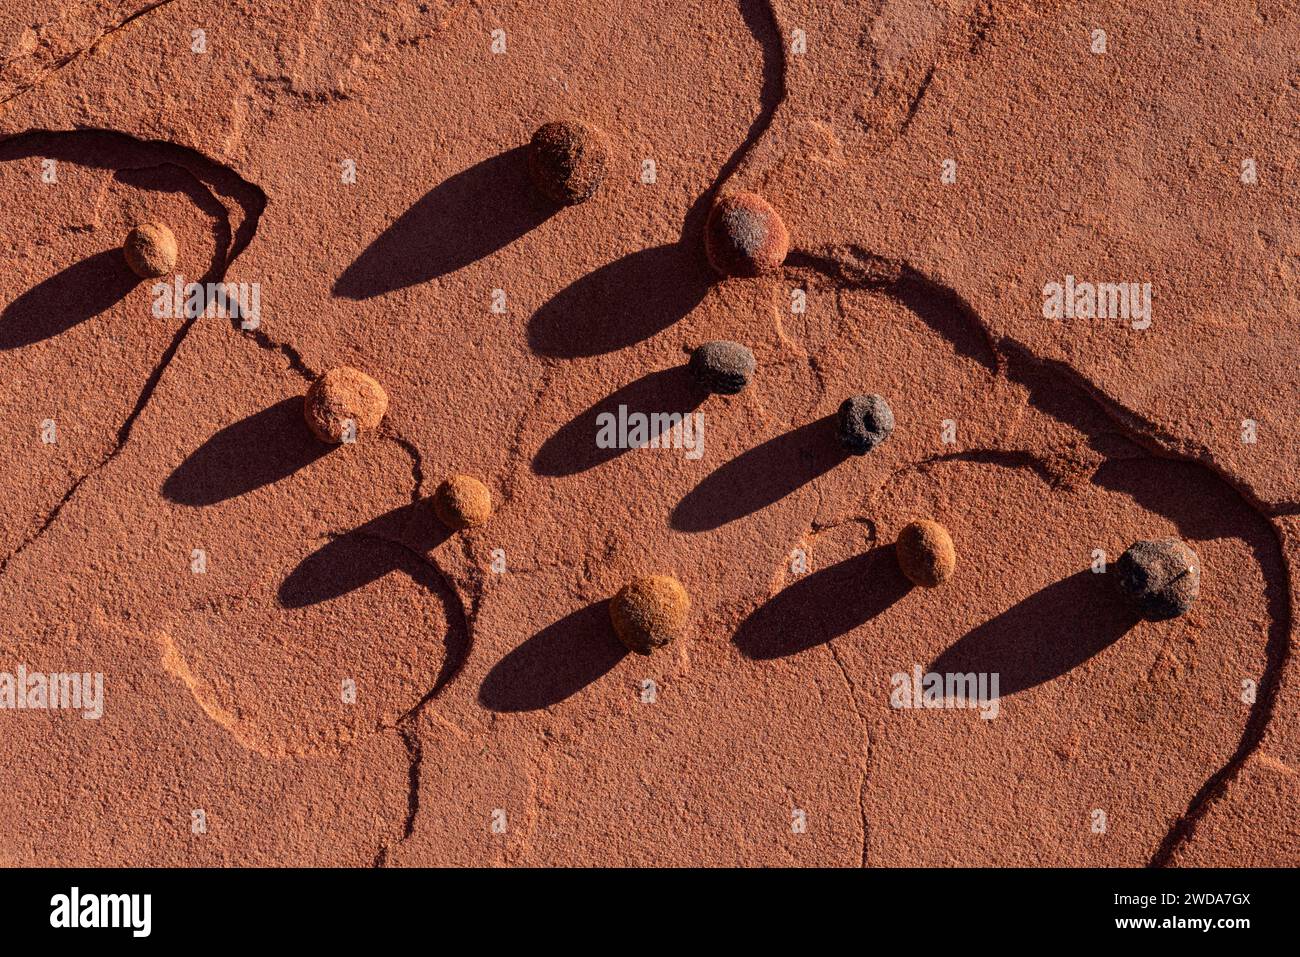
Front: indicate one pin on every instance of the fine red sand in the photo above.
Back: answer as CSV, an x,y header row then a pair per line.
x,y
294,645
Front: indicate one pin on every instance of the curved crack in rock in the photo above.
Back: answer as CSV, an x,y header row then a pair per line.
x,y
459,641
415,757
1047,470
460,623
761,18
390,434
290,353
458,615
66,145
173,661
1149,434
852,267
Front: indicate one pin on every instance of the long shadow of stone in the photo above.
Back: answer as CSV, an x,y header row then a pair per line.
x,y
81,291
622,302
557,662
1051,632
760,477
391,542
463,219
824,605
572,449
259,450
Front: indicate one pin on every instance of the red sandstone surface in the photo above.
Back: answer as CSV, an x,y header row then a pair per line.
x,y
936,162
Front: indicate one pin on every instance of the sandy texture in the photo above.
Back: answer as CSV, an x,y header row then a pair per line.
x,y
299,655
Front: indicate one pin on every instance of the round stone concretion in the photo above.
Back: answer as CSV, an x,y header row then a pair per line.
x,y
926,553
864,422
462,501
650,612
723,368
150,250
567,161
1161,578
341,396
745,236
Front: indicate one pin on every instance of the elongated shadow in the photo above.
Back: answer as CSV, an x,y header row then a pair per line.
x,y
1044,636
391,542
69,297
621,303
461,220
760,477
557,662
824,605
259,450
573,448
